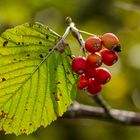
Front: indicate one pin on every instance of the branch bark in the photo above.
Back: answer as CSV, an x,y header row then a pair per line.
x,y
91,112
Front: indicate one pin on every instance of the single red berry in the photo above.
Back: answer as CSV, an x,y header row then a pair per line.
x,y
102,75
94,87
90,71
111,42
83,82
94,60
109,57
93,44
79,64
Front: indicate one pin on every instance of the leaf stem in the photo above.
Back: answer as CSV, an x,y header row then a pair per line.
x,y
87,33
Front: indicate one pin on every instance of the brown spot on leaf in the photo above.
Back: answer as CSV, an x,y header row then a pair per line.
x,y
41,126
30,124
56,99
40,43
69,82
22,43
58,82
60,94
5,43
50,50
26,109
67,72
53,92
12,118
3,79
3,115
41,56
28,55
18,43
47,36
14,59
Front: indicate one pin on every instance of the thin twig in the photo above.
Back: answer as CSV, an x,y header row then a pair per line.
x,y
98,98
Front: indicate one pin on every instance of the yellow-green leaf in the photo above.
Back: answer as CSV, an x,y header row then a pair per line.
x,y
36,84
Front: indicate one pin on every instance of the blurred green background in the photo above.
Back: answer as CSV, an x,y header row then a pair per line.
x,y
98,17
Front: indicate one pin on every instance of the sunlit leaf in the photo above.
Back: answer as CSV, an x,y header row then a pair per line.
x,y
36,84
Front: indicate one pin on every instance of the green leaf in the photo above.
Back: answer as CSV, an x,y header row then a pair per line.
x,y
36,84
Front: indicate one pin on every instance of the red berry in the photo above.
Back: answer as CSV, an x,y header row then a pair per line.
x,y
110,41
109,57
94,60
79,64
94,87
83,82
93,44
90,72
102,75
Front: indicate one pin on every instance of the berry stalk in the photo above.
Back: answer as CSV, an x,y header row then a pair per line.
x,y
98,98
86,33
75,32
91,47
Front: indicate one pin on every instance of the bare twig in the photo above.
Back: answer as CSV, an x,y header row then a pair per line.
x,y
91,112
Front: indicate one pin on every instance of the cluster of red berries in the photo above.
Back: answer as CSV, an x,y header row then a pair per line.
x,y
100,50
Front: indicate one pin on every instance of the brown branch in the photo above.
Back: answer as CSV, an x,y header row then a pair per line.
x,y
91,112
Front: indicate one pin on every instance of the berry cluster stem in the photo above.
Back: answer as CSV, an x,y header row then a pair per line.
x,y
98,98
75,32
